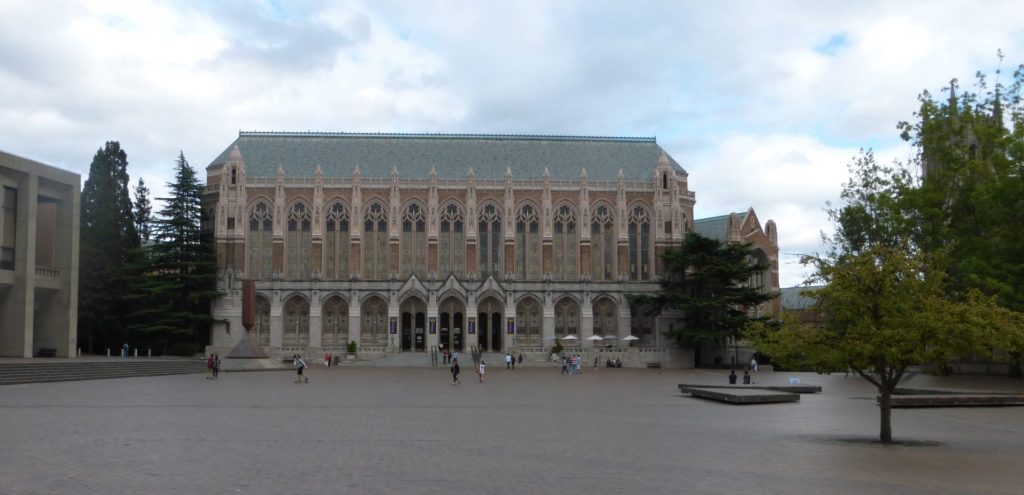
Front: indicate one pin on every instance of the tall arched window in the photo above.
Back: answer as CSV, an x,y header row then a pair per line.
x,y
452,242
375,242
374,331
566,242
606,321
336,242
567,317
489,236
639,244
261,331
528,244
259,263
602,244
298,242
296,322
335,322
528,323
641,323
414,241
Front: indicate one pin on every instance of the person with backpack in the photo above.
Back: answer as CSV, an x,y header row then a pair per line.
x,y
301,366
455,372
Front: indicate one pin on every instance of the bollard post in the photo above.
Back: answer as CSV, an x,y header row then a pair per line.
x,y
149,352
108,352
79,352
136,352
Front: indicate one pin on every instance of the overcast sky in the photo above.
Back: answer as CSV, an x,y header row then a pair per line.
x,y
763,103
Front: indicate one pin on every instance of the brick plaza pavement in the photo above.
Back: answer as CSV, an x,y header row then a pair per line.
x,y
528,431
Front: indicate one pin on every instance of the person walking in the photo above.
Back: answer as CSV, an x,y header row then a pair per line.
x,y
216,366
753,365
209,367
455,372
508,361
301,366
480,372
565,366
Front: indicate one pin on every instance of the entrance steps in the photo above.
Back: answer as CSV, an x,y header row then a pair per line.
x,y
71,369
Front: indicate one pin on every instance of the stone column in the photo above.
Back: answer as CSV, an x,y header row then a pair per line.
x,y
316,328
276,320
586,320
355,318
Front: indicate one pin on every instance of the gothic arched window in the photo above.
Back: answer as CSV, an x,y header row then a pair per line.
x,y
528,323
259,262
375,242
639,244
606,321
298,242
296,322
414,241
528,244
567,317
489,236
566,241
374,331
602,244
335,322
261,331
452,241
336,242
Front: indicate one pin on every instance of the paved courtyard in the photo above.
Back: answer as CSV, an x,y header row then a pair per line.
x,y
528,431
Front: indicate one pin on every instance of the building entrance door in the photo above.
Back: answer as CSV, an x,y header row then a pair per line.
x,y
489,321
413,322
452,324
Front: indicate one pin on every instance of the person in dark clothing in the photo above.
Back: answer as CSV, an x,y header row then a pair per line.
x,y
732,377
455,372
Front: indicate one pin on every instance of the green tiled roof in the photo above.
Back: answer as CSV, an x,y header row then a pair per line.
x,y
716,227
792,298
452,155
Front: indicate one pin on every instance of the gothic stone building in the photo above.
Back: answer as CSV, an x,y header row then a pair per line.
x,y
410,243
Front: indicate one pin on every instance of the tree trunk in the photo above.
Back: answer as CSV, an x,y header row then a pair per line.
x,y
885,408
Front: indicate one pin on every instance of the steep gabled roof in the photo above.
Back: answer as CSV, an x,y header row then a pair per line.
x,y
717,227
452,155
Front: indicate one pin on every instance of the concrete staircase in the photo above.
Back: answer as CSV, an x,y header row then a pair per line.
x,y
64,370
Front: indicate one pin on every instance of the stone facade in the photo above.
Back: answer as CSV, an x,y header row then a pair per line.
x,y
38,258
387,241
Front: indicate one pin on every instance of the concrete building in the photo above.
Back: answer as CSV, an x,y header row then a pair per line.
x,y
414,242
38,258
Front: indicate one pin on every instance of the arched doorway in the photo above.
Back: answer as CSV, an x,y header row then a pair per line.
x,y
335,322
606,318
261,331
452,319
414,323
528,323
296,322
489,324
374,332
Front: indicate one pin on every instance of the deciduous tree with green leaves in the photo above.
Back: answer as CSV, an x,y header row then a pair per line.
x,y
707,280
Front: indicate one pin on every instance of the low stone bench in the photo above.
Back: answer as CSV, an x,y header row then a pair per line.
x,y
740,395
794,389
954,400
46,352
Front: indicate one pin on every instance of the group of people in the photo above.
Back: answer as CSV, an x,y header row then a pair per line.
x,y
455,370
510,361
746,373
212,367
448,356
571,365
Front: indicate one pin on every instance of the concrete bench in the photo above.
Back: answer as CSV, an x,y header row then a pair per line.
x,y
46,352
740,395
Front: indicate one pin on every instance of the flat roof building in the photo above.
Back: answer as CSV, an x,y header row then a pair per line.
x,y
39,228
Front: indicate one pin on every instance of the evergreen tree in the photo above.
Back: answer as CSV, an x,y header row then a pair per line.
x,y
707,280
173,314
143,210
107,240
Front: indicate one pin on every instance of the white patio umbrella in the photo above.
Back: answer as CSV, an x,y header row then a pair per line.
x,y
594,338
611,337
629,338
570,337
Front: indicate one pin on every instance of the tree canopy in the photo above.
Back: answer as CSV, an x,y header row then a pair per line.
x,y
922,270
707,280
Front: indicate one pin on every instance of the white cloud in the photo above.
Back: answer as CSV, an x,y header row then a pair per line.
x,y
751,97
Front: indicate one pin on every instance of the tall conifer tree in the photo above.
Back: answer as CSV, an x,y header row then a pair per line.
x,y
108,239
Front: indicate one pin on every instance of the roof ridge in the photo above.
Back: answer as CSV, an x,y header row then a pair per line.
x,y
523,137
